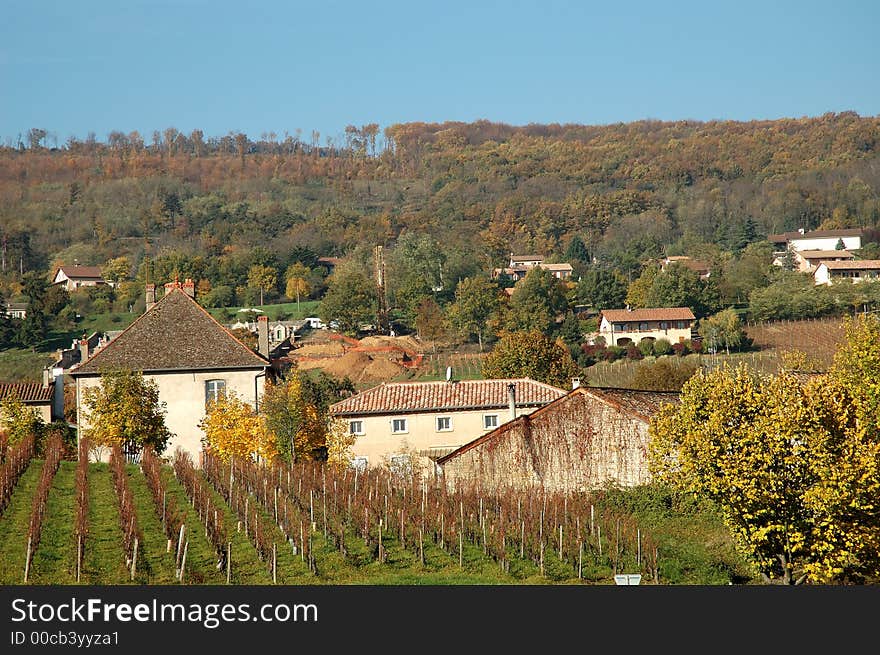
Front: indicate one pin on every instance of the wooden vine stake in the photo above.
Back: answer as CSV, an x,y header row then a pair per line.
x,y
229,563
183,561
79,554
27,561
134,557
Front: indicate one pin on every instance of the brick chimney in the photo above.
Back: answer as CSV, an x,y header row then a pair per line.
x,y
83,350
263,335
189,288
151,296
511,400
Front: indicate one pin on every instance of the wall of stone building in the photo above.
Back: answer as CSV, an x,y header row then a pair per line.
x,y
576,446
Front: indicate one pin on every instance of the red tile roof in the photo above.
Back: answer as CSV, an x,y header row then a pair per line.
x,y
27,392
398,397
653,314
176,334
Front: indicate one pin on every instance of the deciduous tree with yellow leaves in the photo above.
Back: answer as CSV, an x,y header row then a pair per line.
x,y
297,424
125,409
793,463
234,429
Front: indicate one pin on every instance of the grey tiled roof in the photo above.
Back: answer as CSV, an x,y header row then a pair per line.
x,y
175,334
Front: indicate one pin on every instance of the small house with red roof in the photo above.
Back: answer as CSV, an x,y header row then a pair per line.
x,y
191,357
397,420
32,395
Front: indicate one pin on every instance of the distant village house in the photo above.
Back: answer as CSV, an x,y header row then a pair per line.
x,y
619,327
34,395
74,277
854,271
520,265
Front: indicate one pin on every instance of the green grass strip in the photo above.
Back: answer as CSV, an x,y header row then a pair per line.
x,y
14,526
104,560
55,559
201,561
155,565
247,567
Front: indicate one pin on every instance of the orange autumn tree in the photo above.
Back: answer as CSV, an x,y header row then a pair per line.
x,y
233,429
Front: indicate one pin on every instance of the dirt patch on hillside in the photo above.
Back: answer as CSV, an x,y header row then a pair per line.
x,y
372,359
325,349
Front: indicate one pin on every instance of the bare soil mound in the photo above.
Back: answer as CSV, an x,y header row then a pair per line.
x,y
406,343
324,349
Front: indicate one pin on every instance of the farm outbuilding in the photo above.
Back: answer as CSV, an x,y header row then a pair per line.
x,y
584,440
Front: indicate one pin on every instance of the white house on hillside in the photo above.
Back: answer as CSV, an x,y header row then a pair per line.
x,y
854,271
852,239
74,277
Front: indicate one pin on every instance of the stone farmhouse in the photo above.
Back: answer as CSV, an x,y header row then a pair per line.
x,y
585,440
74,277
398,420
190,356
620,327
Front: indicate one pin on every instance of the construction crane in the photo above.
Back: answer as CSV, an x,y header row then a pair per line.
x,y
382,325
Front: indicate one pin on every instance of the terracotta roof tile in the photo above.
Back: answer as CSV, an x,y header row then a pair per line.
x,y
396,397
175,334
826,254
652,314
856,265
27,392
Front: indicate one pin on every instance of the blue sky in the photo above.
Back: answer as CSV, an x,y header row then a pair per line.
x,y
74,67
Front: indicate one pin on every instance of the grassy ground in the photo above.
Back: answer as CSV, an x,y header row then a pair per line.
x,y
201,561
104,560
22,365
155,564
282,311
55,559
14,526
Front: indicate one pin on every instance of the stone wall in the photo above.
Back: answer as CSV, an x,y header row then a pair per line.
x,y
575,444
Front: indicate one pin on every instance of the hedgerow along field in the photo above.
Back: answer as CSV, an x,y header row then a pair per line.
x,y
170,522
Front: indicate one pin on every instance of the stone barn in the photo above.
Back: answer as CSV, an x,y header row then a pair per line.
x,y
584,440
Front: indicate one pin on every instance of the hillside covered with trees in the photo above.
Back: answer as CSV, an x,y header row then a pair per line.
x,y
248,218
